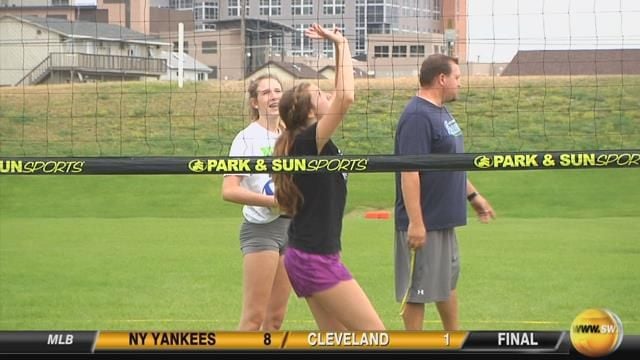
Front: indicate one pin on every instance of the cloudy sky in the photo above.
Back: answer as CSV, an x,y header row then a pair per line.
x,y
498,28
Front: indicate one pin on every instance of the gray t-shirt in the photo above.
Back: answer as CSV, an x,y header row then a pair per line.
x,y
425,128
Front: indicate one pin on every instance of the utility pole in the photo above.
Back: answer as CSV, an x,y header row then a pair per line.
x,y
243,45
127,14
180,55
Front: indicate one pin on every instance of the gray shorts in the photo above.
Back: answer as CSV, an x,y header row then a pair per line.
x,y
264,237
437,267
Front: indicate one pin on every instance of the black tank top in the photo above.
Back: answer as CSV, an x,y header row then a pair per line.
x,y
317,226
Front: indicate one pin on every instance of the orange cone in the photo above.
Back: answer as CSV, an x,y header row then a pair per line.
x,y
377,214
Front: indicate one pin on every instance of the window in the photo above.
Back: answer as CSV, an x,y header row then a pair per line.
x,y
361,30
328,48
54,16
333,7
301,7
300,44
60,3
209,47
399,51
270,7
184,44
233,8
416,50
210,9
181,4
361,41
437,9
206,13
375,13
381,51
200,76
276,44
361,19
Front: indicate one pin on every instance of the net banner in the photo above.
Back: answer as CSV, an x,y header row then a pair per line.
x,y
319,164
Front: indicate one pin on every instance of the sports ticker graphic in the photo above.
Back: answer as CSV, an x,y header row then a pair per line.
x,y
433,342
213,341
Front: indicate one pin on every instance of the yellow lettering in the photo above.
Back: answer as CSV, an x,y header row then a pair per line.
x,y
276,165
508,161
519,161
11,166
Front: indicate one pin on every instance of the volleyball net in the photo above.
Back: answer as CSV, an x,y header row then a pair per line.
x,y
537,78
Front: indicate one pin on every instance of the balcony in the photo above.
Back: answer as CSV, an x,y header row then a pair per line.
x,y
94,64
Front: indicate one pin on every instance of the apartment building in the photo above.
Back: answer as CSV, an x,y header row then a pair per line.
x,y
426,26
358,18
235,37
56,9
29,3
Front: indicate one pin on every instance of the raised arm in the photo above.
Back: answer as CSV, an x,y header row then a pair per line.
x,y
344,93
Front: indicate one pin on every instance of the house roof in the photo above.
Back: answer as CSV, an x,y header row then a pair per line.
x,y
90,30
357,72
189,62
574,62
297,70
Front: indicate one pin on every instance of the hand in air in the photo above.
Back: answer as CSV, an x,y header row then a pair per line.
x,y
316,31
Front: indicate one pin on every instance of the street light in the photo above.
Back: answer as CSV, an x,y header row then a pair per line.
x,y
450,38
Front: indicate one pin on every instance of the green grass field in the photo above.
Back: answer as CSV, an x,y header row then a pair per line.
x,y
157,118
161,252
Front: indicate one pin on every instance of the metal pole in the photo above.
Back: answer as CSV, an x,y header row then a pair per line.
x,y
243,45
180,54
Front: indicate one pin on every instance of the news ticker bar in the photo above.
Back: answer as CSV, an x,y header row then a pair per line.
x,y
319,164
456,341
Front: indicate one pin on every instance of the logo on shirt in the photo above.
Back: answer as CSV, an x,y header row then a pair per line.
x,y
452,127
269,188
267,150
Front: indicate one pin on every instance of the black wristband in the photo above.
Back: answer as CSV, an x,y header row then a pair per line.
x,y
472,196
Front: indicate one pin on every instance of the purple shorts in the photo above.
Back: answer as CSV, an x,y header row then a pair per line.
x,y
310,273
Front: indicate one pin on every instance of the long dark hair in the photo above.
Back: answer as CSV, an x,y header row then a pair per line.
x,y
295,106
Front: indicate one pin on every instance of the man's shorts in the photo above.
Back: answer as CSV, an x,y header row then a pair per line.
x,y
436,269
